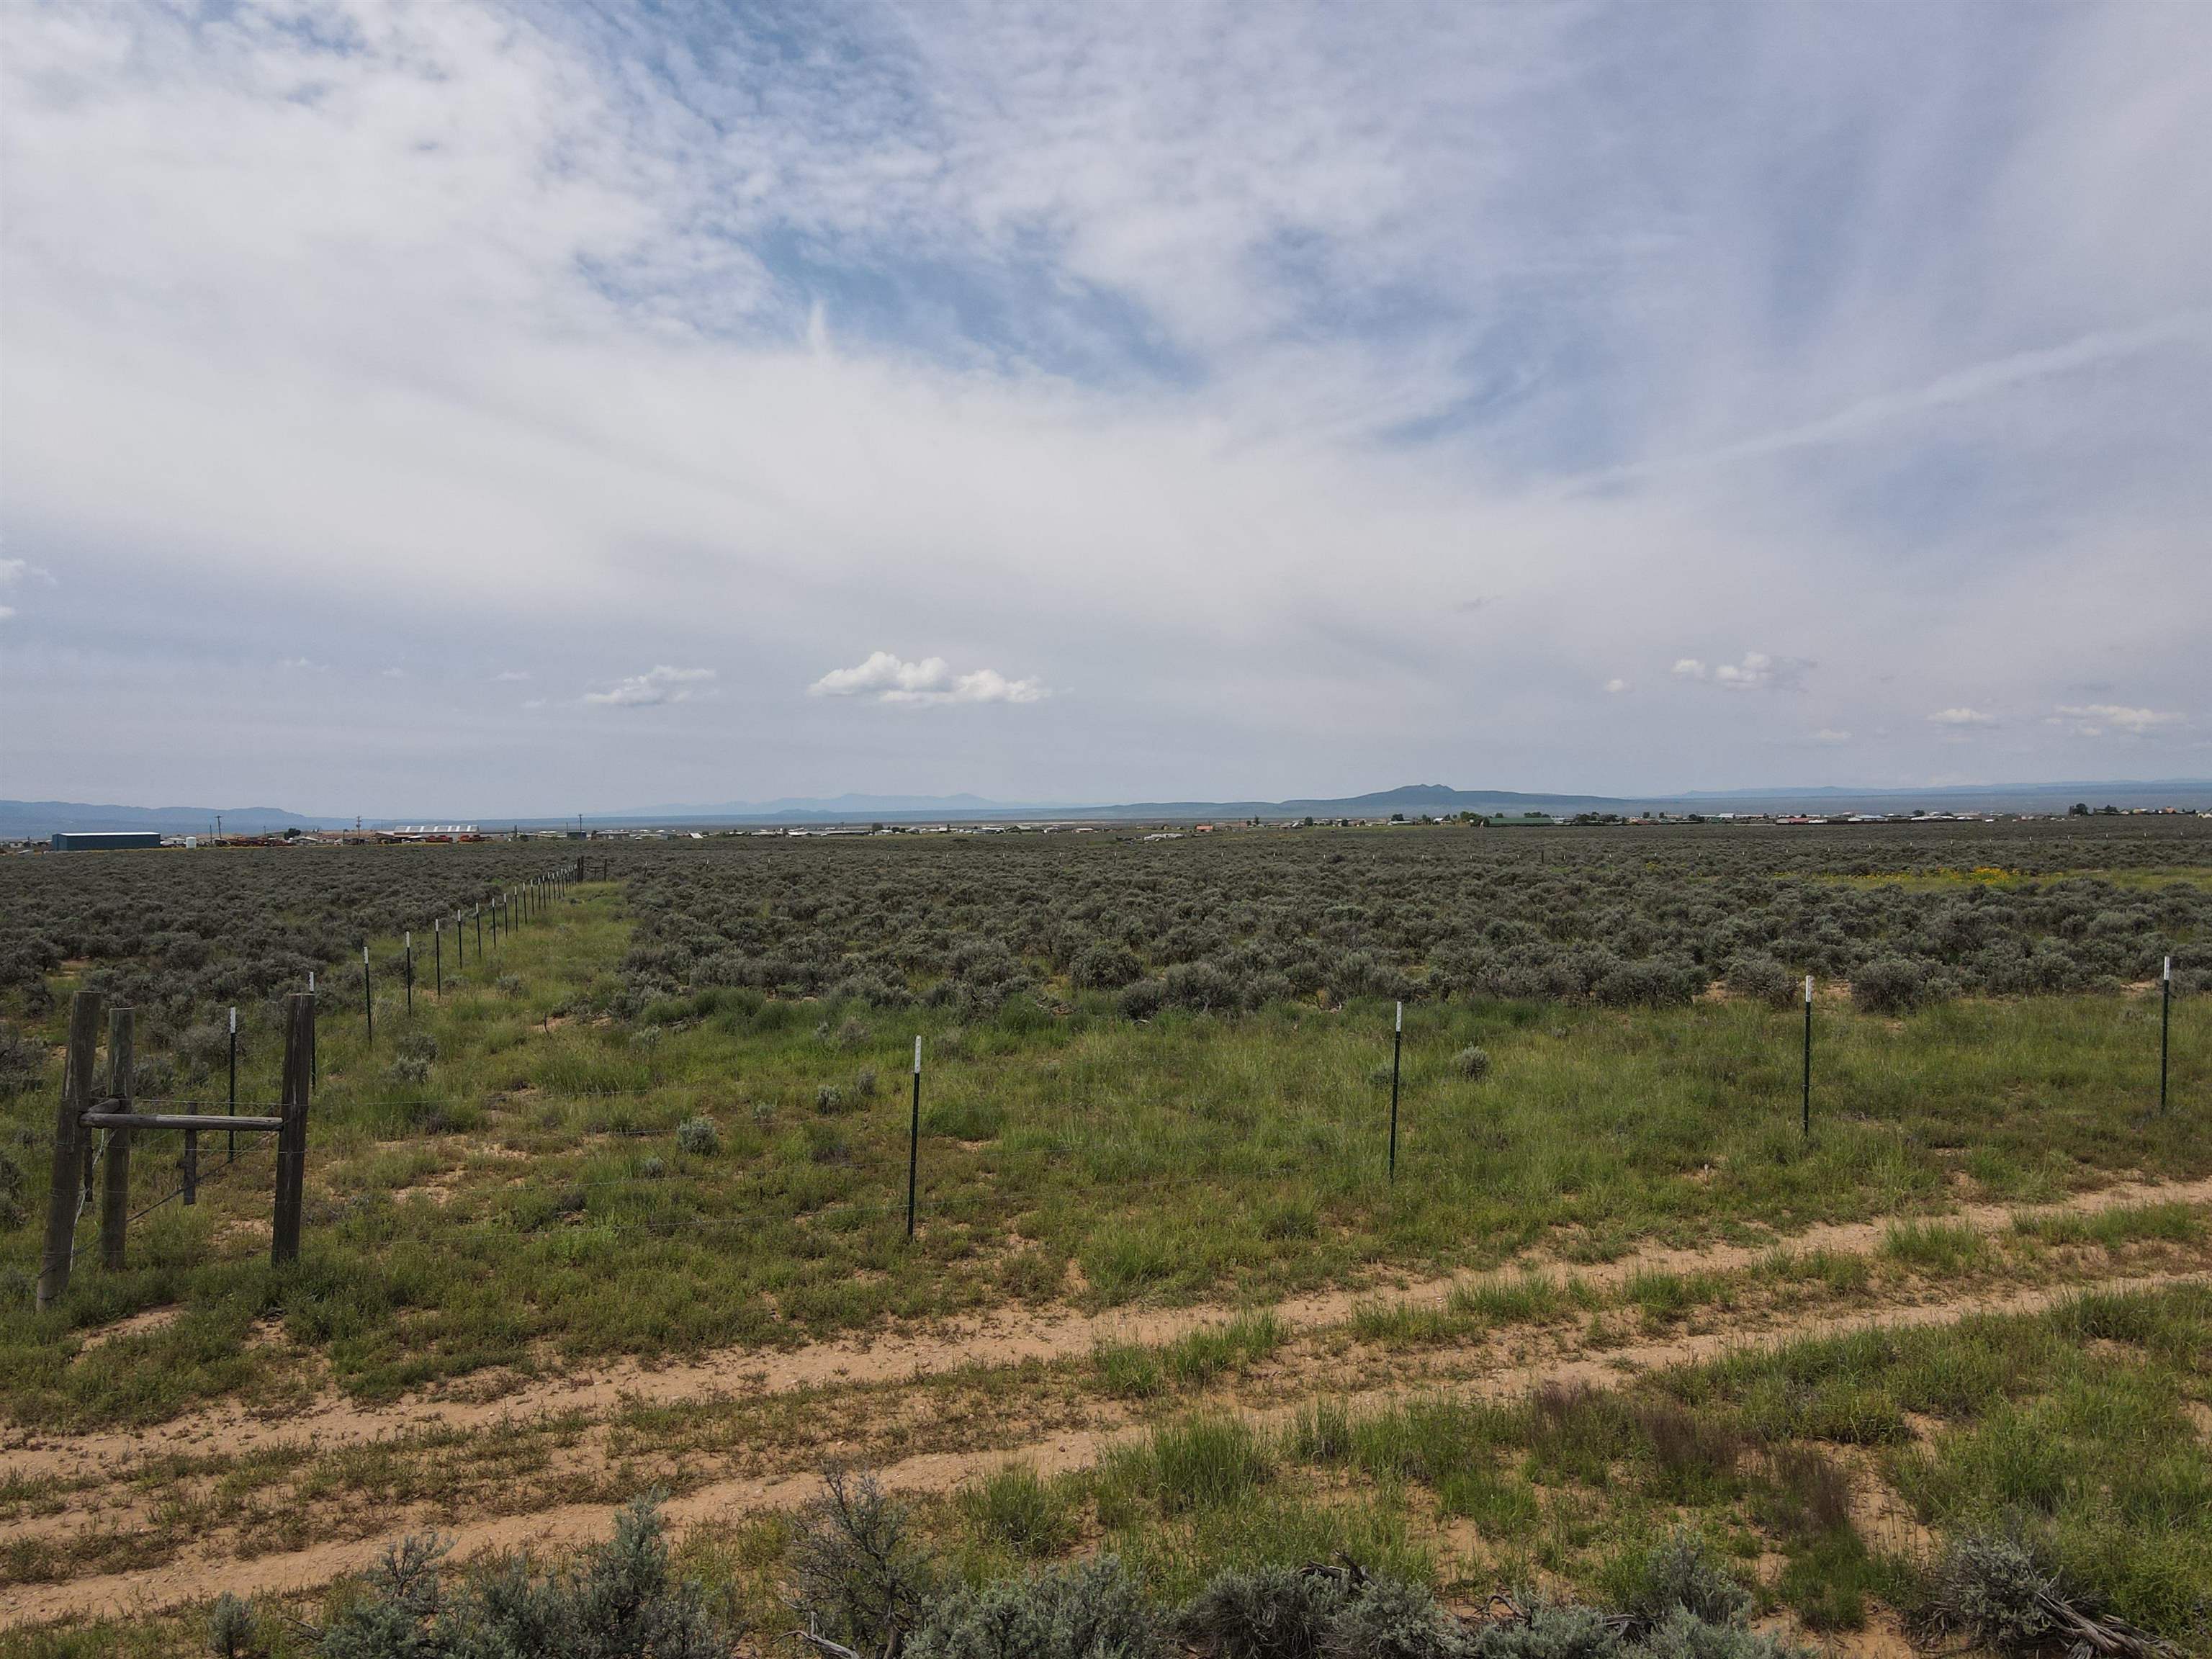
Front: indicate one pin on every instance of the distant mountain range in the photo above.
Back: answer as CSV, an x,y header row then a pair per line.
x,y
846,805
21,820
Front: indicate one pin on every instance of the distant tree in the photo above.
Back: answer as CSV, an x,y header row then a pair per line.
x,y
2080,809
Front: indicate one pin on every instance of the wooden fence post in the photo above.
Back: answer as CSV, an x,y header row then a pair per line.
x,y
292,1138
62,1191
115,1182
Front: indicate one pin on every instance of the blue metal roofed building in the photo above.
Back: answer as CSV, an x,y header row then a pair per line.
x,y
104,841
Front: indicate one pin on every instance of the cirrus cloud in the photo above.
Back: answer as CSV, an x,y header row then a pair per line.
x,y
891,679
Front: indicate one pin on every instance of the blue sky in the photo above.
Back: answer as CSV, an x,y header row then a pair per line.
x,y
466,409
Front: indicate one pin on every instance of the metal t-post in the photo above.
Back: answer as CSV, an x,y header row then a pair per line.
x,y
913,1140
2165,1027
1808,1098
1397,1049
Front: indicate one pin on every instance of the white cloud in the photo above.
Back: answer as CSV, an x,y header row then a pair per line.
x,y
1962,717
299,664
1826,735
2094,719
891,679
395,674
1615,687
1757,672
882,671
14,573
656,685
1110,333
510,676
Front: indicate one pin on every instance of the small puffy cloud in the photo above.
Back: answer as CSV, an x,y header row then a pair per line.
x,y
1756,672
395,674
1615,687
1829,735
891,678
510,676
297,665
2094,719
658,685
533,702
883,672
1961,717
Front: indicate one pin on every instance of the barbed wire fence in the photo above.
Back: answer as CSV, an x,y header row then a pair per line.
x,y
534,901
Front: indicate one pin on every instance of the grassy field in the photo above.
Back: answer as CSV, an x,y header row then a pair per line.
x,y
1165,1298
526,1200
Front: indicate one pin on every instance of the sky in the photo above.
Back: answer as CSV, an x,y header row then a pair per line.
x,y
464,409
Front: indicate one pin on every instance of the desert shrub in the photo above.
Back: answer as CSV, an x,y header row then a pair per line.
x,y
1990,1586
1681,1573
1645,984
22,1061
417,1044
1106,966
1890,985
1681,1634
1472,1062
859,1574
204,1048
1269,1612
232,1632
12,1212
1553,1630
1142,998
619,1601
509,985
1092,1610
409,1072
699,1137
829,1099
1389,1618
1762,978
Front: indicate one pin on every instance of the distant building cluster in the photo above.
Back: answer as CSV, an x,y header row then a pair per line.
x,y
75,840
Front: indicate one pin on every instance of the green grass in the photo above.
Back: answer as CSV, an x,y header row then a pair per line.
x,y
1139,1370
1935,1247
2170,1223
1015,1511
528,1201
2072,1426
1528,1299
1199,1462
